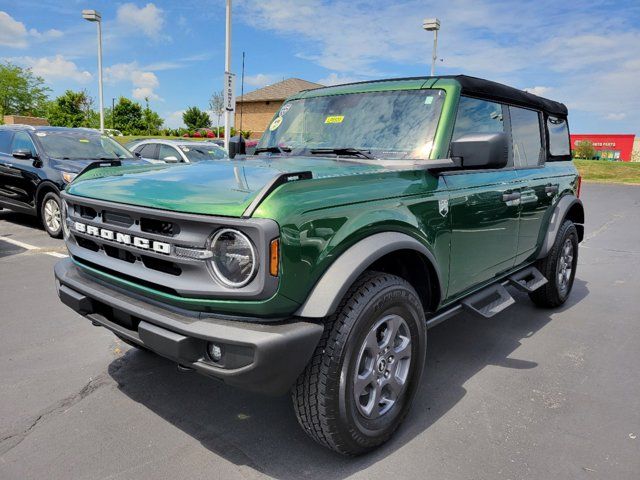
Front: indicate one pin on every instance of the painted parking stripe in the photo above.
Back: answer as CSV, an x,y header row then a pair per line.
x,y
27,246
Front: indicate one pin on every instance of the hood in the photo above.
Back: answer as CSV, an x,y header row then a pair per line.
x,y
221,187
76,165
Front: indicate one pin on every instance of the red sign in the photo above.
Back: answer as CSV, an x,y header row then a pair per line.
x,y
608,147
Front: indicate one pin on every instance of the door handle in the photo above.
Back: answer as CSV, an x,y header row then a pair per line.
x,y
510,197
551,189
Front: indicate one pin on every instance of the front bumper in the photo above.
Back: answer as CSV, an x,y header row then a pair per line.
x,y
262,357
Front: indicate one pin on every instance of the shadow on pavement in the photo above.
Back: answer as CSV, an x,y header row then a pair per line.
x,y
21,219
262,433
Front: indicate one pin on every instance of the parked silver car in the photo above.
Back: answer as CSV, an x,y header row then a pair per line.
x,y
176,151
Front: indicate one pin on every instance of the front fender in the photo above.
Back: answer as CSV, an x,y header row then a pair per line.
x,y
334,283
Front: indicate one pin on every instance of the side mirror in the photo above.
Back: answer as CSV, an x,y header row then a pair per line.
x,y
481,150
237,146
137,154
22,153
171,159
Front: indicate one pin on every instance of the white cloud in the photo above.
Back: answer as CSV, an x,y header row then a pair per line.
x,y
12,33
541,91
149,19
54,68
144,82
337,79
174,119
616,116
261,79
48,35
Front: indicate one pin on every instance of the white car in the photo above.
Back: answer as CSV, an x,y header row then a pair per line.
x,y
177,151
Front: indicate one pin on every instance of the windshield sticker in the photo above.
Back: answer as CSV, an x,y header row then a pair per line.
x,y
285,108
275,124
41,134
83,140
428,100
334,119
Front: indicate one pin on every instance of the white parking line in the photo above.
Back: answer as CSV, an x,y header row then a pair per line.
x,y
27,246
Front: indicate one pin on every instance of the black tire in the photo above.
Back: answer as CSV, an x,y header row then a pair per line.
x,y
51,226
556,291
326,407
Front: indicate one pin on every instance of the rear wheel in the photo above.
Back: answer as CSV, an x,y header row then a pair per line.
x,y
50,213
559,267
358,386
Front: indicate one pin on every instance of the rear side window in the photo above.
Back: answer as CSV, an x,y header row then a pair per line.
x,y
527,140
148,151
559,144
477,116
5,141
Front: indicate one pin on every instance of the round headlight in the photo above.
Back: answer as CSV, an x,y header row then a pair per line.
x,y
234,259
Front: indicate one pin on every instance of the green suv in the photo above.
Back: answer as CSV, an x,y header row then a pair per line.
x,y
369,213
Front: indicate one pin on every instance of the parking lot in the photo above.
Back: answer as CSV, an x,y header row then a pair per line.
x,y
528,394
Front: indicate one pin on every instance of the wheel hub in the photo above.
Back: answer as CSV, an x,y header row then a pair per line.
x,y
382,369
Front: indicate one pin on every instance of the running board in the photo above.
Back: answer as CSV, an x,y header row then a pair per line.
x,y
528,280
489,301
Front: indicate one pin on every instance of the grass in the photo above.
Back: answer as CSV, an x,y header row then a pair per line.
x,y
609,172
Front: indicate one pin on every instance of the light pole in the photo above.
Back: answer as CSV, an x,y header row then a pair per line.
x,y
94,16
432,25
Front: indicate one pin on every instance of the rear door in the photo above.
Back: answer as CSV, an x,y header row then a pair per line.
x,y
484,206
6,164
537,189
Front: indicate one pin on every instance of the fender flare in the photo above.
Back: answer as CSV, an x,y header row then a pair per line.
x,y
336,280
566,203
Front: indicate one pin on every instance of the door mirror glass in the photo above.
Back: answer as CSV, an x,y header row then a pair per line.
x,y
22,153
481,150
171,159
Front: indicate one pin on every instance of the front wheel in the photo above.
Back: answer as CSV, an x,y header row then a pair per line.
x,y
50,213
559,267
360,382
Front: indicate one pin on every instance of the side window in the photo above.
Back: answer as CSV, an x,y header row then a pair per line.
x,y
169,154
5,141
477,116
148,151
22,141
527,141
559,144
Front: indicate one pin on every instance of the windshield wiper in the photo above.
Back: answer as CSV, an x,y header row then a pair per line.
x,y
355,152
274,149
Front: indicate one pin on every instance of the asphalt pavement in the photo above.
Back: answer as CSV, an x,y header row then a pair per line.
x,y
529,394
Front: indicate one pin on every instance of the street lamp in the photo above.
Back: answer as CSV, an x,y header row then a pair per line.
x,y
94,16
432,25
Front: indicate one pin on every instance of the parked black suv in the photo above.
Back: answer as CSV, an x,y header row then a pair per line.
x,y
37,162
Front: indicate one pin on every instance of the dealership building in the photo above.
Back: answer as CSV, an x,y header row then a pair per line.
x,y
618,147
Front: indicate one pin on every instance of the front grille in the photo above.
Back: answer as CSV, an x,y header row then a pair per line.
x,y
140,244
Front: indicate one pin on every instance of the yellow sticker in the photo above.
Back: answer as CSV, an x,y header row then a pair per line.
x,y
275,124
334,119
83,140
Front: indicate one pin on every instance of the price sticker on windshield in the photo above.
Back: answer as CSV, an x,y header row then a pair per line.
x,y
334,119
275,124
83,140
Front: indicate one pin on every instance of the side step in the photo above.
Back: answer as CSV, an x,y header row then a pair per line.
x,y
489,301
528,280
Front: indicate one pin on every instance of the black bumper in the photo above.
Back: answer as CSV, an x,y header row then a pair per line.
x,y
262,357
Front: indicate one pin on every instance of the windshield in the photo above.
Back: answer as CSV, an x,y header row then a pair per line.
x,y
388,125
197,153
77,145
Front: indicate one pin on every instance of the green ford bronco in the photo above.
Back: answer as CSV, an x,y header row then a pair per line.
x,y
368,213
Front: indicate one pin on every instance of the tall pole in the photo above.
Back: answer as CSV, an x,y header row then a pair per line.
x,y
100,75
227,68
242,91
434,55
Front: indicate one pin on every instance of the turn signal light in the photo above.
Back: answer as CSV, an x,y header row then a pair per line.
x,y
274,257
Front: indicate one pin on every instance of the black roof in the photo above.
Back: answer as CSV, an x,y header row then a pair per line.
x,y
479,87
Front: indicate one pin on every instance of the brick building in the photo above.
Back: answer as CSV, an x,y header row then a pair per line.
x,y
258,107
17,119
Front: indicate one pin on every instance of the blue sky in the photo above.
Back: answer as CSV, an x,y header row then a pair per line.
x,y
585,54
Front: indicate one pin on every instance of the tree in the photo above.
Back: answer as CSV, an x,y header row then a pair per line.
x,y
128,118
21,92
584,149
216,105
71,109
195,118
151,119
